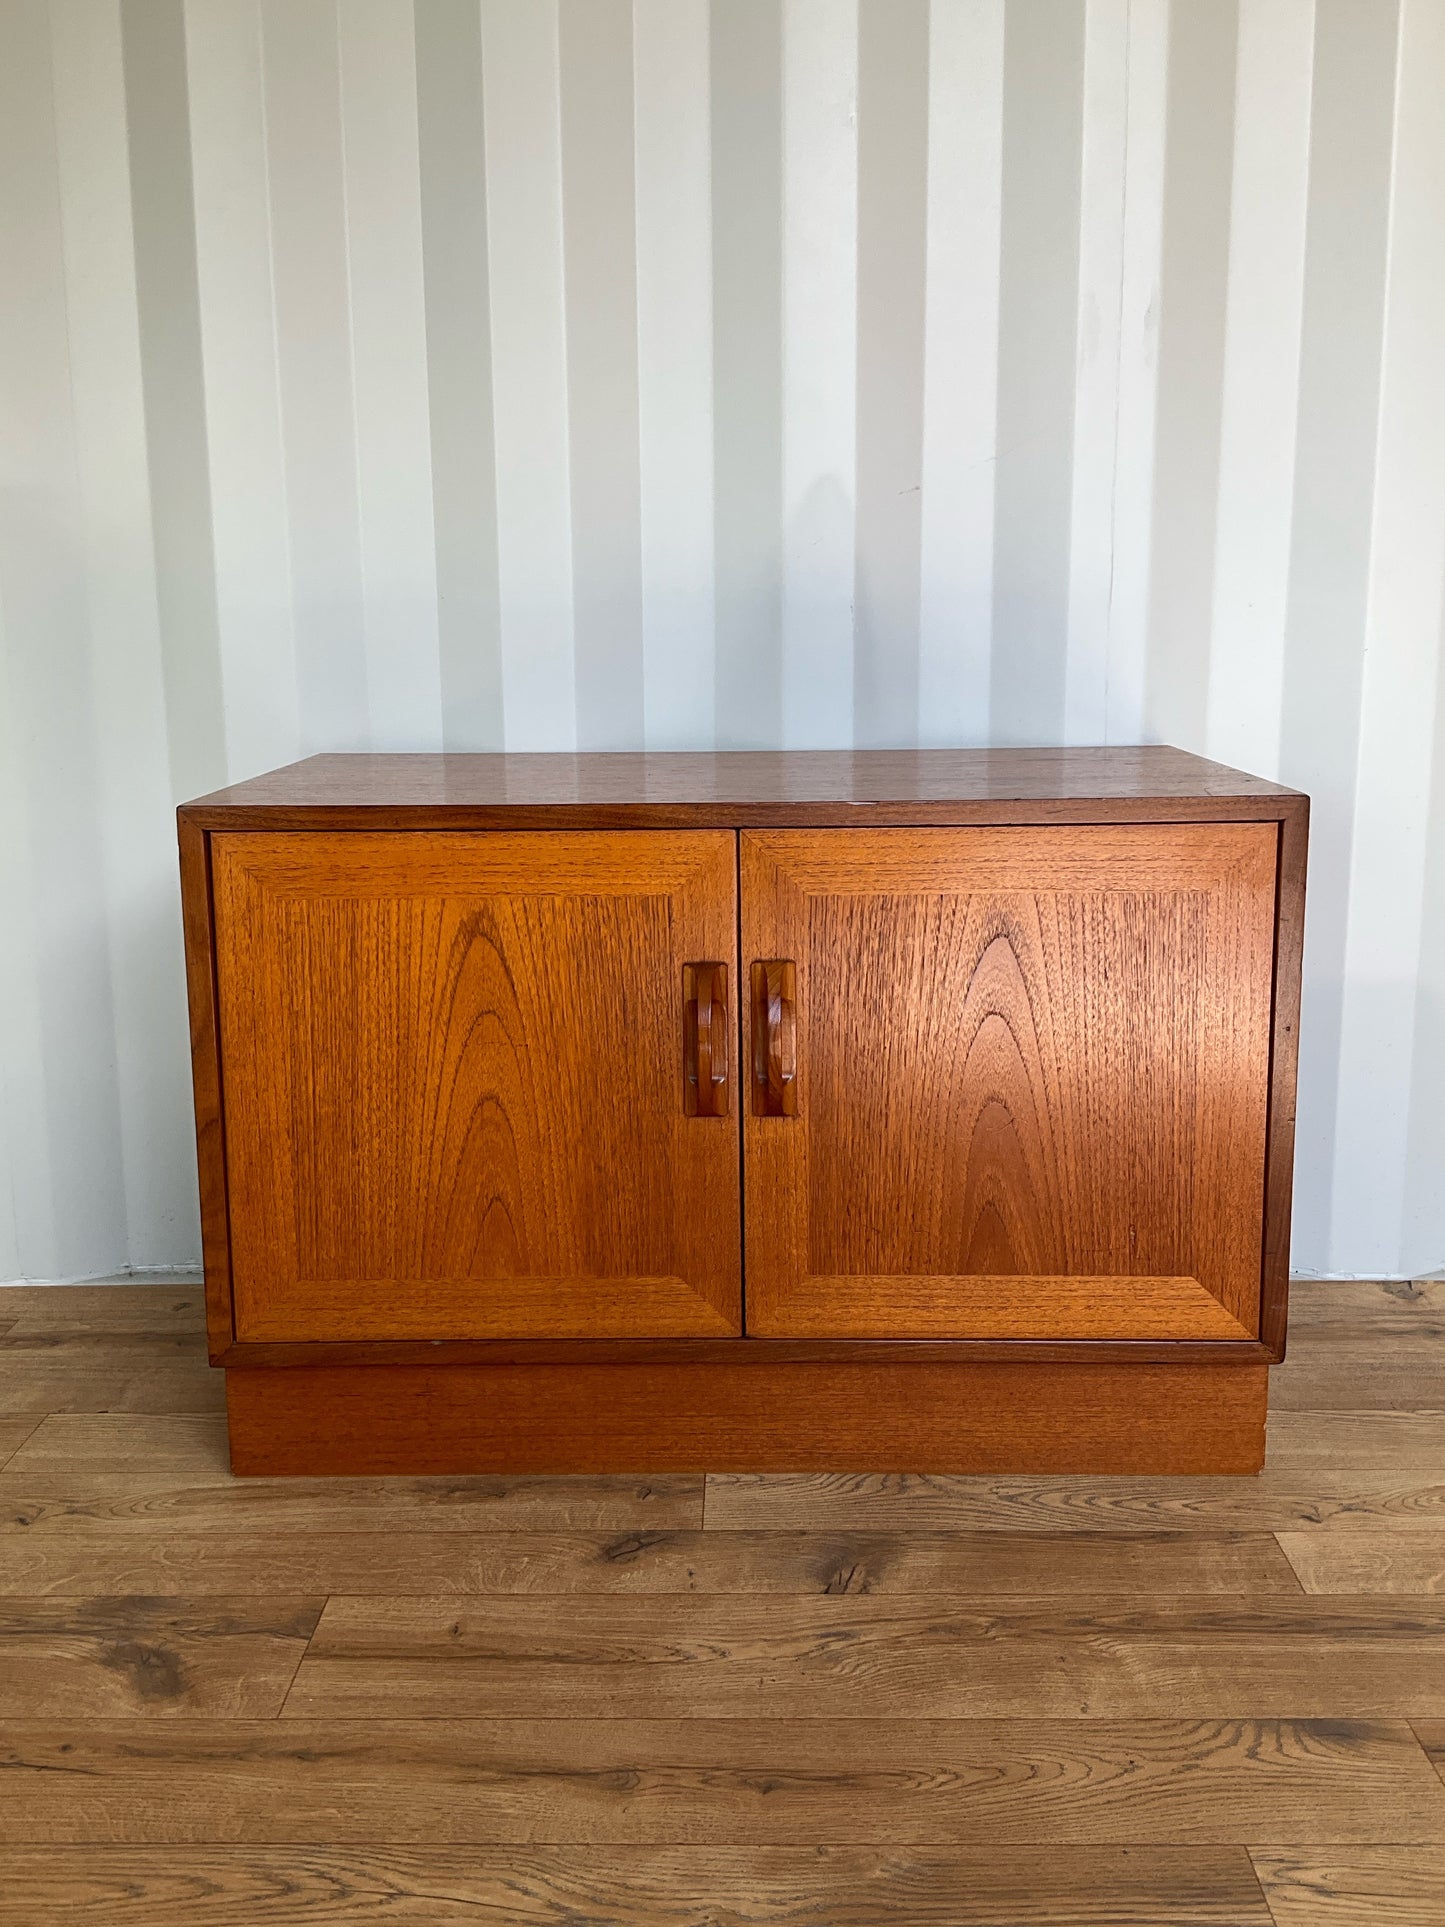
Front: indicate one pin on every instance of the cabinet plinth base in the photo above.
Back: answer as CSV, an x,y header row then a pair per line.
x,y
872,1416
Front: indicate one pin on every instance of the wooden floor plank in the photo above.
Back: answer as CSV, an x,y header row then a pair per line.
x,y
1383,1564
1398,1886
13,1434
1336,1370
154,1503
126,1306
994,1783
639,1887
82,1350
566,1699
39,1384
1342,1500
874,1658
1431,1735
984,1565
109,1658
1370,1310
1361,1441
76,1443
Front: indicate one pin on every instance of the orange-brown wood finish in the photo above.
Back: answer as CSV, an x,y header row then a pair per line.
x,y
1014,1045
1032,1084
707,1048
452,1094
1005,1417
744,789
206,1081
775,1037
1284,1063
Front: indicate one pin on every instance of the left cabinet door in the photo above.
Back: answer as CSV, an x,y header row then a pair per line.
x,y
453,1080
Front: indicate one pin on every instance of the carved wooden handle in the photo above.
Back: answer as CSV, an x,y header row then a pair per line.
x,y
775,1039
705,1040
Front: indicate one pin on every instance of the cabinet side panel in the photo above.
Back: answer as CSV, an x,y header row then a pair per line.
x,y
1284,1063
206,1081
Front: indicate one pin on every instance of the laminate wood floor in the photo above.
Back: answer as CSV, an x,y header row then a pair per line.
x,y
678,1702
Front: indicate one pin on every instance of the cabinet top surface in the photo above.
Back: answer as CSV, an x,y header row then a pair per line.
x,y
754,786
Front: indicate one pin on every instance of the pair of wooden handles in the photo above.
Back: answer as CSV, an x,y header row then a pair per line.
x,y
706,1046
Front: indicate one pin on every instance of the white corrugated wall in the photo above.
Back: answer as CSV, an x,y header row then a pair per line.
x,y
613,373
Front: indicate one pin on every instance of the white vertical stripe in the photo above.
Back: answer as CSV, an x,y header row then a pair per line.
x,y
1423,1232
529,363
960,368
300,65
820,342
1096,378
68,1108
1148,63
388,334
674,356
243,403
28,1244
1403,626
1263,319
131,765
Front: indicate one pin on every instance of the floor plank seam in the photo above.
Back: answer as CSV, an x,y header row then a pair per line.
x,y
280,1712
21,1443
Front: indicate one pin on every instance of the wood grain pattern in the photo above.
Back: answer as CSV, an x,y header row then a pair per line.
x,y
1395,1375
1369,1310
640,1887
201,995
31,1385
1012,1783
1053,1044
84,1502
1378,1441
1009,1417
884,1604
1337,1501
1397,1886
1378,1564
452,1092
163,1308
929,1656
13,1434
79,1444
981,1564
1431,1735
738,786
160,1658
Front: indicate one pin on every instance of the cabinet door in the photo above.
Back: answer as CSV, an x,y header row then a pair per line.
x,y
453,1083
1030,1083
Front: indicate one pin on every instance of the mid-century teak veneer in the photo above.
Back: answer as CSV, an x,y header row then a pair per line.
x,y
891,1111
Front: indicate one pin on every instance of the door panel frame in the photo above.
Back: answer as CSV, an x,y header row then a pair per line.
x,y
696,871
779,871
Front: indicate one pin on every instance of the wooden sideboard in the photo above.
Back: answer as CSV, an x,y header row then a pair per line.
x,y
901,1111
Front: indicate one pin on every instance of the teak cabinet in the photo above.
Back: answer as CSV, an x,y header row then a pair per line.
x,y
885,1111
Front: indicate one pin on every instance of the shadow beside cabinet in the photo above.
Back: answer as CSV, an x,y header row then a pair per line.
x,y
924,1111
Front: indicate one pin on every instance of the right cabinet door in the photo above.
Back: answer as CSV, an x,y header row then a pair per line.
x,y
1014,1084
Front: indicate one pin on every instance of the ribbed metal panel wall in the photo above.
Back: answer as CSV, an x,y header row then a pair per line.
x,y
617,373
